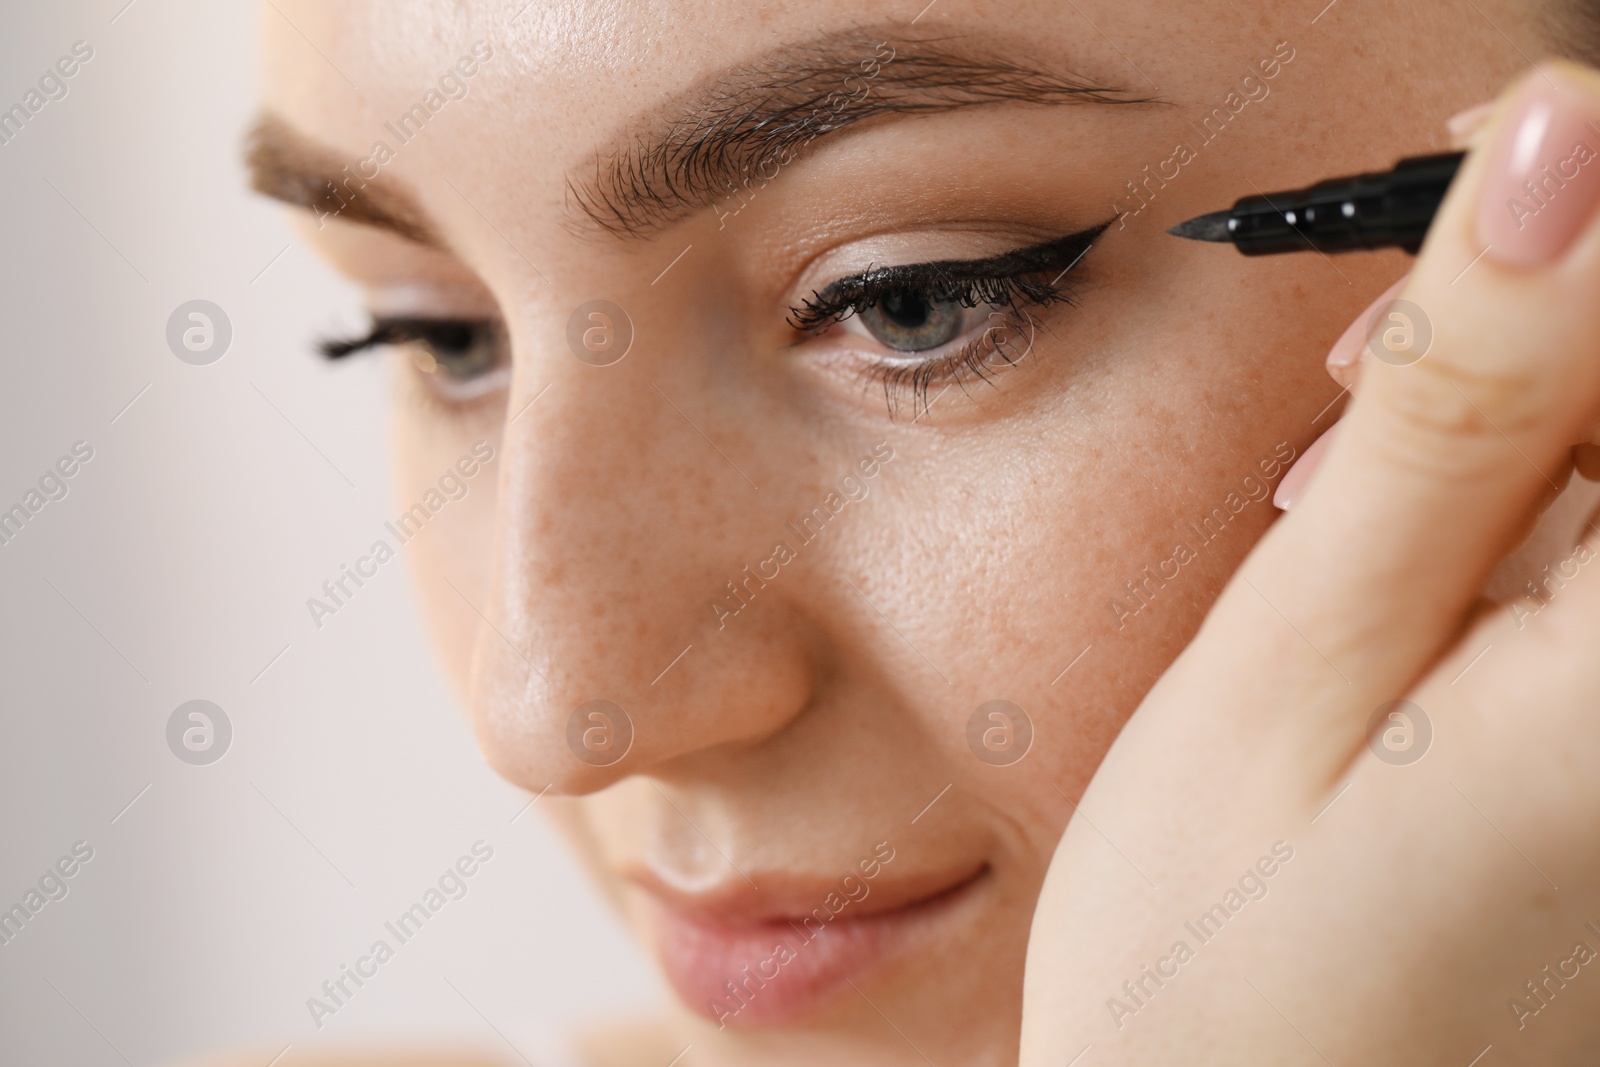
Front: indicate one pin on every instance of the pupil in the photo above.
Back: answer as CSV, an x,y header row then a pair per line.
x,y
452,337
910,321
461,350
906,310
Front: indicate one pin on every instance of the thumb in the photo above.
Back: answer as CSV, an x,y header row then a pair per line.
x,y
1486,375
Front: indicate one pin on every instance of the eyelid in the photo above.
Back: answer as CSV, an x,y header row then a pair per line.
x,y
430,300
1057,253
993,279
438,391
1011,283
1000,279
398,330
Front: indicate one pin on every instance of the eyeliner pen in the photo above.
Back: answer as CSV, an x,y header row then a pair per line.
x,y
1386,209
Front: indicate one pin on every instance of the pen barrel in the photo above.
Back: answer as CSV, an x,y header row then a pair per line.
x,y
1384,210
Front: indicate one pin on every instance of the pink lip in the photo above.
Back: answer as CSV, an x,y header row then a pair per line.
x,y
744,957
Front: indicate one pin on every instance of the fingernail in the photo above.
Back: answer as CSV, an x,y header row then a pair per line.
x,y
1295,481
1346,351
1463,124
1544,169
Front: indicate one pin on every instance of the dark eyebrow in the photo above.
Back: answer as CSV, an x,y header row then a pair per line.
x,y
287,165
735,130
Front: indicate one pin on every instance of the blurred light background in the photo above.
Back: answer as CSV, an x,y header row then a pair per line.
x,y
220,897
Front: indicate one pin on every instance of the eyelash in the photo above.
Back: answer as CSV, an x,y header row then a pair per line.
x,y
435,333
440,343
853,295
1010,281
973,360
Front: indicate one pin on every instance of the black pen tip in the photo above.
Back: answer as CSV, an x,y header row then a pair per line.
x,y
1212,227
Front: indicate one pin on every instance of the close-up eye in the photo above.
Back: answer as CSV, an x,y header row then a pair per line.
x,y
945,320
461,359
908,321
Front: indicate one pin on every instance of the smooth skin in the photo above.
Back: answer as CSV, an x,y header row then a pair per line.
x,y
987,557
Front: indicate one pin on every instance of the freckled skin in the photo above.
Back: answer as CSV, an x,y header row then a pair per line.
x,y
986,554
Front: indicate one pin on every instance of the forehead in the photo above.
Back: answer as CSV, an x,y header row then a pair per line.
x,y
570,75
496,119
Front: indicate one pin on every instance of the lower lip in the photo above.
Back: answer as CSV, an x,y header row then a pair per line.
x,y
774,972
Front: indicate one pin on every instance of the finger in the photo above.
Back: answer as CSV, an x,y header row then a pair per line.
x,y
1466,131
1441,459
1343,362
1299,476
1557,528
1465,126
1344,358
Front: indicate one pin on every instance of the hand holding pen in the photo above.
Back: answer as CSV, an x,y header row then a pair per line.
x,y
1390,209
1356,627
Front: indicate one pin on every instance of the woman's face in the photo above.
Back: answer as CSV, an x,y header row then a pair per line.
x,y
822,513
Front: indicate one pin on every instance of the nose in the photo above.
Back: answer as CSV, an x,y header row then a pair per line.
x,y
628,511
